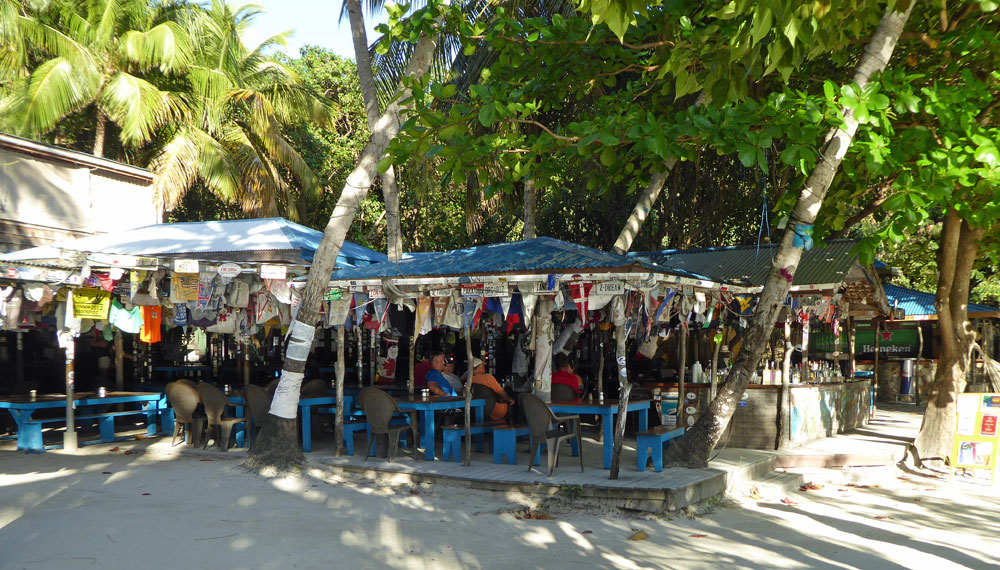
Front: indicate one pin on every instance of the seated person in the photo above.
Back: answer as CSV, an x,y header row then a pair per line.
x,y
564,374
420,371
437,377
480,376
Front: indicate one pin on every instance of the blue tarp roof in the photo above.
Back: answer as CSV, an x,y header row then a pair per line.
x,y
539,255
914,302
247,240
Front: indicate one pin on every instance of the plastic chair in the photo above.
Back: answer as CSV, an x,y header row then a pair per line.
x,y
313,389
185,400
258,404
379,409
487,394
541,421
221,426
562,393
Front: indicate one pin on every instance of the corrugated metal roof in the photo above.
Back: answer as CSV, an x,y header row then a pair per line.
x,y
538,255
202,239
748,265
915,303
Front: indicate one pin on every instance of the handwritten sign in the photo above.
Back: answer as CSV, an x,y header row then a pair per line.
x,y
273,272
186,266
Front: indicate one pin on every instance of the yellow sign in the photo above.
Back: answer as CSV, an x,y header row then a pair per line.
x,y
91,303
185,286
977,437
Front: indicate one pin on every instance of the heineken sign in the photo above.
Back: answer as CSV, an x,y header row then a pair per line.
x,y
892,343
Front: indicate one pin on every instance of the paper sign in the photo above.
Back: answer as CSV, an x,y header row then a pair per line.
x,y
273,272
471,291
440,293
376,293
186,266
91,303
988,426
229,270
966,424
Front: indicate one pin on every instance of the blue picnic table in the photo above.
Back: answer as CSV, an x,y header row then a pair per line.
x,y
607,409
29,428
426,409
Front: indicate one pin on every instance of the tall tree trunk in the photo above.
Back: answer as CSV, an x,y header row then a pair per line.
x,y
99,134
695,446
959,245
278,446
646,200
530,202
624,390
390,192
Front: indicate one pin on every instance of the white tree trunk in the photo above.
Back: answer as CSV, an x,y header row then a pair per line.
x,y
646,200
390,192
694,448
278,447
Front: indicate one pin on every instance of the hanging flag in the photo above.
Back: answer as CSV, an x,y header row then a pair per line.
x,y
473,309
360,304
581,297
205,289
513,311
528,308
424,315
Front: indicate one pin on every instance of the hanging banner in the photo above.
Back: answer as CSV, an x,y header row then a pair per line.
x,y
91,303
184,287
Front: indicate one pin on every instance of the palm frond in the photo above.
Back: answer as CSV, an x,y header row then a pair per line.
x,y
175,169
165,46
138,107
55,89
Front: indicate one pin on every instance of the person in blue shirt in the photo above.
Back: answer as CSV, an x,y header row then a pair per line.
x,y
437,380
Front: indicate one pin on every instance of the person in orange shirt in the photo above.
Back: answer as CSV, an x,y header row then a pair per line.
x,y
480,376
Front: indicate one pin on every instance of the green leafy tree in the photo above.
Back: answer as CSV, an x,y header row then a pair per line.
x,y
97,55
231,137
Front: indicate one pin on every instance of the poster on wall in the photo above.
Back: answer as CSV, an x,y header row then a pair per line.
x,y
976,437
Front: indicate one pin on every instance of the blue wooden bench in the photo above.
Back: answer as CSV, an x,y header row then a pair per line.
x,y
452,436
650,444
105,422
505,444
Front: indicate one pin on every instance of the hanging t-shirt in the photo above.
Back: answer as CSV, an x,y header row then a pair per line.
x,y
152,318
123,319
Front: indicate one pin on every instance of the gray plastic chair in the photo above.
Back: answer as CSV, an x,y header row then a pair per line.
x,y
220,425
187,419
258,404
487,394
314,389
550,429
562,393
379,409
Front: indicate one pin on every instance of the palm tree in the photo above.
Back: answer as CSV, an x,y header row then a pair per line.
x,y
92,56
231,136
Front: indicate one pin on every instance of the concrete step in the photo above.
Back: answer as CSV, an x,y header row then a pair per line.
x,y
829,460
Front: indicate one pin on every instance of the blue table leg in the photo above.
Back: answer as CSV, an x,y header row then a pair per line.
x,y
644,419
427,437
480,419
607,421
306,427
241,429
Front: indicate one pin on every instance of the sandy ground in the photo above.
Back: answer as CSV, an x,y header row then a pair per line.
x,y
157,508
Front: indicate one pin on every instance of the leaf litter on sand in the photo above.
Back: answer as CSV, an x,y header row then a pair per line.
x,y
810,486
